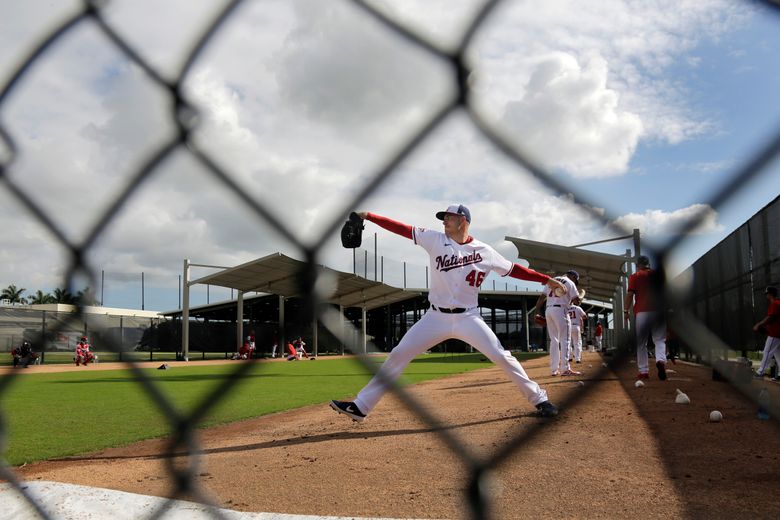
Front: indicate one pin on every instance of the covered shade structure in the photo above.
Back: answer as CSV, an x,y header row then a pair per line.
x,y
600,273
603,276
281,275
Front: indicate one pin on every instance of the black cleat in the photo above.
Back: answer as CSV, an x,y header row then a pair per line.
x,y
661,370
349,409
547,409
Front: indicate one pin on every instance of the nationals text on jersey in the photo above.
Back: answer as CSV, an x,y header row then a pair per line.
x,y
444,263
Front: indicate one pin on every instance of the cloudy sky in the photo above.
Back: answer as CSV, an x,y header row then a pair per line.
x,y
642,109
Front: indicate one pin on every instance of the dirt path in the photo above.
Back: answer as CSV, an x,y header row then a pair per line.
x,y
619,452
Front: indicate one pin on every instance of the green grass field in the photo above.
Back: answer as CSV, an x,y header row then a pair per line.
x,y
59,414
66,358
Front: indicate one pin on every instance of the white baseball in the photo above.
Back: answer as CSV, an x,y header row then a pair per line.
x,y
559,291
639,384
581,383
715,416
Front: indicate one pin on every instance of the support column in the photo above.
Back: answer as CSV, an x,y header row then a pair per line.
x,y
240,320
525,319
122,337
343,328
314,336
282,336
364,328
631,325
185,312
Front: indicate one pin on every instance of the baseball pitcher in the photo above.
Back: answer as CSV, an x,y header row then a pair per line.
x,y
459,264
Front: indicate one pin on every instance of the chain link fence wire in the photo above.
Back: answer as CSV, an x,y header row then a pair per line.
x,y
183,439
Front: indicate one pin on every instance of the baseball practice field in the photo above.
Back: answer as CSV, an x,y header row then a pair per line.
x,y
275,446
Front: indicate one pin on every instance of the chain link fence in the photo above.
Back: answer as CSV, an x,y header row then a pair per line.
x,y
729,280
183,437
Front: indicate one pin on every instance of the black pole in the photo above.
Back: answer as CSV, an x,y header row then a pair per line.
x,y
142,290
375,258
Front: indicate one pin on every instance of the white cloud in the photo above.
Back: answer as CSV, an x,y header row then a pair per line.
x,y
636,45
342,68
657,224
570,120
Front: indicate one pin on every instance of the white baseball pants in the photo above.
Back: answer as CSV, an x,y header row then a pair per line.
x,y
649,323
576,342
433,328
771,350
559,329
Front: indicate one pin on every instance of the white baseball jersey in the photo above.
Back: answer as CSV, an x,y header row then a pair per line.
x,y
576,315
457,270
566,299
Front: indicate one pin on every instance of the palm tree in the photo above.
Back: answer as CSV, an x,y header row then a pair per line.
x,y
85,297
13,294
63,296
41,297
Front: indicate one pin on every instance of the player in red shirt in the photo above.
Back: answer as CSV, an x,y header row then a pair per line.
x,y
292,354
649,318
771,326
597,336
83,354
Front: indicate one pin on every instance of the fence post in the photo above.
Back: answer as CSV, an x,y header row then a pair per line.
x,y
43,336
122,337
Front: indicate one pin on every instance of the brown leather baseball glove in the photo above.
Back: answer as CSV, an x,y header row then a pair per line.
x,y
352,231
540,320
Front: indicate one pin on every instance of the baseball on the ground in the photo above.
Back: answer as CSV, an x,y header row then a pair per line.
x,y
581,383
639,384
715,416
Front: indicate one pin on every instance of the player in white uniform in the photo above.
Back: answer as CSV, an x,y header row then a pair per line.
x,y
459,265
577,317
558,322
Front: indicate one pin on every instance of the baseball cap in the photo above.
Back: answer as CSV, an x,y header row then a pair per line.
x,y
643,260
771,289
571,273
457,209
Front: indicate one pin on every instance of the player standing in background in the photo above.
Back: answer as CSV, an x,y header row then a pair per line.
x,y
459,264
649,318
598,334
558,322
577,317
771,326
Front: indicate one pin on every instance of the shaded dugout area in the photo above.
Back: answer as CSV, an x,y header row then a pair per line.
x,y
214,327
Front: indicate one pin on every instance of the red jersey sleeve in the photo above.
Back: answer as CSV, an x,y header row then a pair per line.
x,y
396,227
524,273
773,323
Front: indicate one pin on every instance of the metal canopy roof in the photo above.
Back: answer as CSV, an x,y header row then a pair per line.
x,y
600,273
279,274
